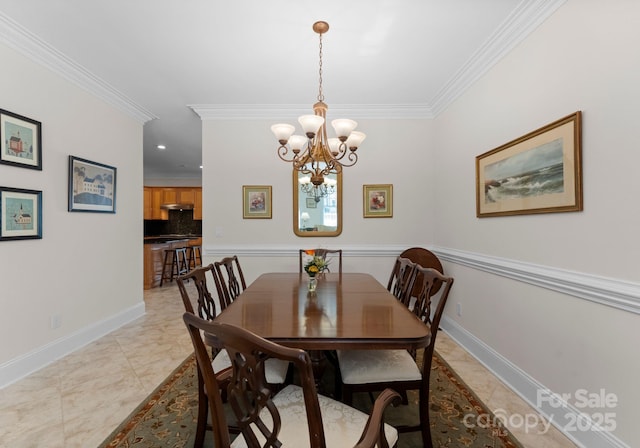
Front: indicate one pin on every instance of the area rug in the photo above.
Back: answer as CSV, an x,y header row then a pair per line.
x,y
167,418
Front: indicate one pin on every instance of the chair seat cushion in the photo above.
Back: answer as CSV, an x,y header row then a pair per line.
x,y
343,425
275,369
377,366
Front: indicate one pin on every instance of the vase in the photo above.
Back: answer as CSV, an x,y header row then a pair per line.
x,y
313,282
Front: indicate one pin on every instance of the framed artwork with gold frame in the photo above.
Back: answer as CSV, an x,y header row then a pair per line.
x,y
377,201
539,172
256,201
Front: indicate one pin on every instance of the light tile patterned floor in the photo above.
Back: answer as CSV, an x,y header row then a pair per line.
x,y
78,400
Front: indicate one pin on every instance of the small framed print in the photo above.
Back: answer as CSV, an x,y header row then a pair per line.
x,y
378,201
20,214
92,186
311,203
20,141
256,201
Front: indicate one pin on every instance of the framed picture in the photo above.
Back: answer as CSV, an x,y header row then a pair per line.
x,y
378,201
20,141
92,186
20,214
537,173
311,203
256,201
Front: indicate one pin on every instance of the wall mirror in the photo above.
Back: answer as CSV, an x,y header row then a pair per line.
x,y
317,211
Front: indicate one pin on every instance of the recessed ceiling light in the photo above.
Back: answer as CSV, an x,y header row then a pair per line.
x,y
161,147
200,166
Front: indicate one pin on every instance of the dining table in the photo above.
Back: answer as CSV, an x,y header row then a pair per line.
x,y
346,311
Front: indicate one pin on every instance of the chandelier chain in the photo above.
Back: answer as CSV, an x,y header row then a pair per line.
x,y
320,94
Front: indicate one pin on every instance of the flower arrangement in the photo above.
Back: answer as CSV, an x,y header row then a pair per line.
x,y
316,265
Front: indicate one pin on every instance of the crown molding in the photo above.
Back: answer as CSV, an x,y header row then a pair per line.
x,y
31,46
293,111
524,19
521,22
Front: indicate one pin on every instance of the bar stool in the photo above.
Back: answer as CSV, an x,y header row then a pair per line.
x,y
194,256
175,264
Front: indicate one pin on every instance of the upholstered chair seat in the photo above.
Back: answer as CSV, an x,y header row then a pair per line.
x,y
377,366
275,369
342,424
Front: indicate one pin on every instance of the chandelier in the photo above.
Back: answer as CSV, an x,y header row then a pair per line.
x,y
314,154
317,192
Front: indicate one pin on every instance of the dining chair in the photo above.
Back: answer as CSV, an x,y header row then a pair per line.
x,y
401,370
426,259
231,278
402,279
295,416
323,253
208,308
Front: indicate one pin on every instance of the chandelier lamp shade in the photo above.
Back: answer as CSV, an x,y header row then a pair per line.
x,y
313,153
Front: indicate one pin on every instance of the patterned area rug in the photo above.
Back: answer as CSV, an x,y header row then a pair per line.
x,y
167,418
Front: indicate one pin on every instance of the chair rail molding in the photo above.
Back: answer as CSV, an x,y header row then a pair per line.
x,y
617,293
612,292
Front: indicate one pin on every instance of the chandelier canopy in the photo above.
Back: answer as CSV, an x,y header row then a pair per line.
x,y
314,154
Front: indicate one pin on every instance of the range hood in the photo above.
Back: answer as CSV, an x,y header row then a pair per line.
x,y
177,206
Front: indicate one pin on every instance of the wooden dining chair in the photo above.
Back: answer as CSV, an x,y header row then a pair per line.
x,y
323,253
375,370
208,308
295,416
402,279
231,278
426,259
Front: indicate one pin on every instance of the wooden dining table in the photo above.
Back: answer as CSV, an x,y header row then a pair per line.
x,y
346,311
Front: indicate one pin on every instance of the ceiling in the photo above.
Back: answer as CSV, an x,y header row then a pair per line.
x,y
169,62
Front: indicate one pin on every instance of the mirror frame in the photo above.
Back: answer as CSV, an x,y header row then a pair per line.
x,y
296,196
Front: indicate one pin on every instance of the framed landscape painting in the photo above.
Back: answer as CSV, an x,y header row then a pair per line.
x,y
537,173
256,201
378,201
20,141
92,186
20,214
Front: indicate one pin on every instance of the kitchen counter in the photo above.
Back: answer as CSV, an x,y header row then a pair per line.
x,y
154,247
169,238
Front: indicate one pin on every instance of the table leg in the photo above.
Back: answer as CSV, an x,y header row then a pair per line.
x,y
319,364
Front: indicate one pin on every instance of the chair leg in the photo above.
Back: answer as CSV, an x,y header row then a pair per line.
x,y
203,413
167,254
425,424
347,395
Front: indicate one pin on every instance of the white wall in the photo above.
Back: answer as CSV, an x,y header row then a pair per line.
x,y
243,152
87,268
582,58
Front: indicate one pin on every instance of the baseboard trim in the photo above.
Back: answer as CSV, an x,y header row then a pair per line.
x,y
17,368
564,416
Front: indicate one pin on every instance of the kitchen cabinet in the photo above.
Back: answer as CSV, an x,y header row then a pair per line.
x,y
169,195
197,205
155,197
152,202
186,196
148,206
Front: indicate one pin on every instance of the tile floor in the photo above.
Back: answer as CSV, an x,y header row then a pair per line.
x,y
78,400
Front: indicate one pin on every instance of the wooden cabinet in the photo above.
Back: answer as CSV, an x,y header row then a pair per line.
x,y
148,206
197,205
169,195
155,197
186,196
